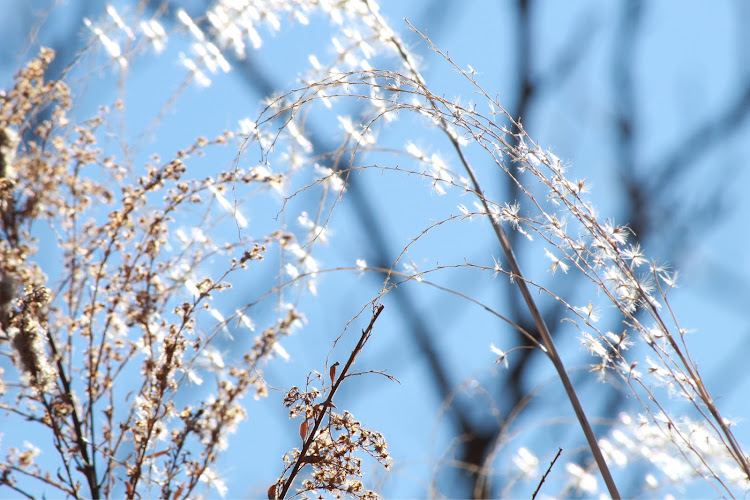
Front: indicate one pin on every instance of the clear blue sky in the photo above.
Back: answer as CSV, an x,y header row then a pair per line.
x,y
688,67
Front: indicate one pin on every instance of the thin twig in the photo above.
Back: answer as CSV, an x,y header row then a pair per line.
x,y
327,404
552,463
88,467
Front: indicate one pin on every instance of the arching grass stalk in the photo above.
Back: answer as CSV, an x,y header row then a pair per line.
x,y
516,274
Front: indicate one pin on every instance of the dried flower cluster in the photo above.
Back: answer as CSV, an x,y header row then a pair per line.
x,y
123,302
331,441
332,454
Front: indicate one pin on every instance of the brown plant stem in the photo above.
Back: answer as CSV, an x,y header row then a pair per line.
x,y
544,333
89,469
541,482
327,404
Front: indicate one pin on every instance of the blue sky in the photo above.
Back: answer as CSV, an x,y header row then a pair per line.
x,y
688,67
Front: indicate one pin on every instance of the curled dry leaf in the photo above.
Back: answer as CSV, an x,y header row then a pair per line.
x,y
303,430
320,408
332,371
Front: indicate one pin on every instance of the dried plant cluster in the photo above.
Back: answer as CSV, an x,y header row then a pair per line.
x,y
101,351
120,305
330,448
